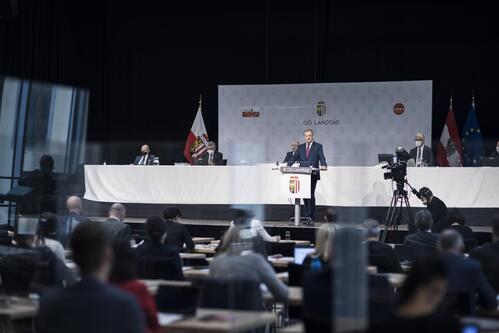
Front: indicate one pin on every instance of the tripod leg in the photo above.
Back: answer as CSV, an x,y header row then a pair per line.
x,y
412,223
389,217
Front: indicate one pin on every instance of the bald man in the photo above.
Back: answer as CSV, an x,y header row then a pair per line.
x,y
68,222
116,229
290,154
421,154
145,157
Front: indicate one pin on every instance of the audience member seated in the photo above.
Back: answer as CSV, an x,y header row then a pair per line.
x,y
116,229
68,222
34,270
47,228
419,299
177,234
457,222
488,255
380,255
44,187
422,241
254,225
238,261
464,275
322,256
91,305
332,215
156,249
124,276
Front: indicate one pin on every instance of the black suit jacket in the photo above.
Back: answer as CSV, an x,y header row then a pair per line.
x,y
160,251
438,211
177,235
289,155
149,161
89,306
383,257
465,275
117,231
66,224
488,255
427,155
315,157
468,236
218,158
427,241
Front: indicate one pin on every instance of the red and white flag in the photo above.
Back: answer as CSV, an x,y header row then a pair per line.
x,y
197,140
450,150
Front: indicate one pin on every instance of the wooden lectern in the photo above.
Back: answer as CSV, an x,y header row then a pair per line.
x,y
295,184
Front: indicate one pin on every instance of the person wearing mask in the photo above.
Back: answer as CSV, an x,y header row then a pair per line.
x,y
290,154
237,260
211,157
116,229
322,256
465,275
418,308
424,240
177,234
488,255
421,154
380,255
156,248
145,157
124,276
437,208
68,222
47,227
90,305
310,154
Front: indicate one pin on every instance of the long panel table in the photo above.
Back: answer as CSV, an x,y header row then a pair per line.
x,y
339,186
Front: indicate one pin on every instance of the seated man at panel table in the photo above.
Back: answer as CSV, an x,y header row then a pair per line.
x,y
488,255
116,229
290,154
68,222
421,154
211,157
177,234
464,275
90,305
424,240
145,157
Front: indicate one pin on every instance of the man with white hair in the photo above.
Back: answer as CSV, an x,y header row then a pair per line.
x,y
145,157
68,222
421,154
116,229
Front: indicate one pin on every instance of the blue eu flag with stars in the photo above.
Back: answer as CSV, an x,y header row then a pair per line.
x,y
472,139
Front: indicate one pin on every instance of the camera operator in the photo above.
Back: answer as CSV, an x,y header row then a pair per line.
x,y
437,208
422,155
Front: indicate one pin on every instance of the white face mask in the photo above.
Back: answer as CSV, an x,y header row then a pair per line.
x,y
211,151
419,143
497,149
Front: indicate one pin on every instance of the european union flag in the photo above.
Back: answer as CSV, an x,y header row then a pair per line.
x,y
472,140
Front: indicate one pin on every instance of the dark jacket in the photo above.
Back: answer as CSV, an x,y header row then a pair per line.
x,y
117,231
289,155
315,157
427,155
66,224
149,161
438,211
383,257
177,235
218,159
467,234
422,239
89,306
488,256
465,275
151,250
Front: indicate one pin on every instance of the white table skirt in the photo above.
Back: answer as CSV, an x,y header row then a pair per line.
x,y
339,186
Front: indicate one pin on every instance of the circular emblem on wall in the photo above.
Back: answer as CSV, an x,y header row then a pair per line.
x,y
398,109
321,108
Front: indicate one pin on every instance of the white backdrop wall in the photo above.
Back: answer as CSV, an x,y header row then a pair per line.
x,y
257,123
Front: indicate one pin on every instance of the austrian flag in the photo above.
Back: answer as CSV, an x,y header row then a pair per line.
x,y
450,150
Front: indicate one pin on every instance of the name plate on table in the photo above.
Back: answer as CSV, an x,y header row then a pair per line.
x,y
298,170
295,185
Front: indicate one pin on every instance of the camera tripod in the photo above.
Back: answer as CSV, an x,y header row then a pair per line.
x,y
394,214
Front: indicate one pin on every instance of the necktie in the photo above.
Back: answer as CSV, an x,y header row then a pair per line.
x,y
210,159
144,160
308,149
418,157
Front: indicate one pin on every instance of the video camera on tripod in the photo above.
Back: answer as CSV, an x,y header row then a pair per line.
x,y
398,171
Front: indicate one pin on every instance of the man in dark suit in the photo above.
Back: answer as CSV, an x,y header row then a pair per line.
x,y
421,154
310,154
488,255
211,157
464,275
380,255
116,229
289,154
145,157
68,222
176,233
456,221
437,208
90,305
424,240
